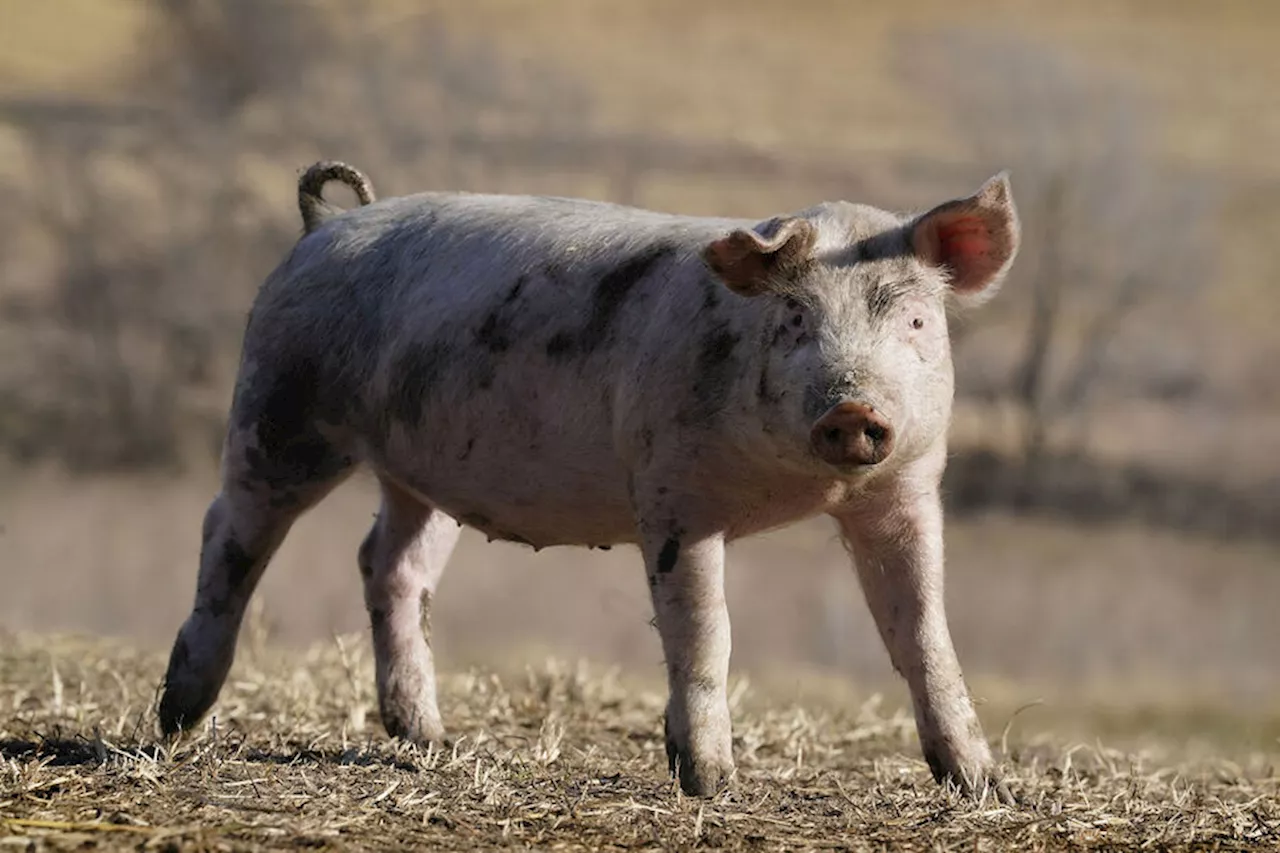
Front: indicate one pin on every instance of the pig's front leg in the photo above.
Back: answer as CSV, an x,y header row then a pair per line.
x,y
895,537
686,581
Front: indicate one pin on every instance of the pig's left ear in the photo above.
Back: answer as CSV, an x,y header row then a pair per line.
x,y
974,238
750,263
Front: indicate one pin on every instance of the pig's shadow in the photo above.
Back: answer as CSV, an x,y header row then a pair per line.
x,y
80,751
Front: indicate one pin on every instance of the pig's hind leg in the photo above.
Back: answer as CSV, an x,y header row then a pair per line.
x,y
401,561
276,463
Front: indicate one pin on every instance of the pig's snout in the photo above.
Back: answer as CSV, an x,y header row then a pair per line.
x,y
852,434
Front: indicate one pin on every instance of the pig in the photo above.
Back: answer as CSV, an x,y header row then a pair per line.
x,y
551,371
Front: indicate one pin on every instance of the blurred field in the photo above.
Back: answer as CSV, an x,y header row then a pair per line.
x,y
1114,540
566,758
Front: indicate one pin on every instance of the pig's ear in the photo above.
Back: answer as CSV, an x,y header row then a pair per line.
x,y
750,263
974,238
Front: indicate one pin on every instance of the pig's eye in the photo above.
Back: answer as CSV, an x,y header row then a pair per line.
x,y
917,322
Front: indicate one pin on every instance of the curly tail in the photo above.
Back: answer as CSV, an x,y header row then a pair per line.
x,y
311,203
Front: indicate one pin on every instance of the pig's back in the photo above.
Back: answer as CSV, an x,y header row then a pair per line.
x,y
505,332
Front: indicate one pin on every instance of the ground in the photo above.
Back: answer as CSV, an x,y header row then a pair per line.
x,y
557,757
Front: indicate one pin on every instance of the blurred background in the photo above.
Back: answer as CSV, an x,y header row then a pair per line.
x,y
1114,492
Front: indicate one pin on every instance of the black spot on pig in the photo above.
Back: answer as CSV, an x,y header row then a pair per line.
x,y
283,411
613,289
764,392
514,293
377,618
607,299
492,334
561,345
416,373
888,244
237,562
466,451
668,556
714,376
710,294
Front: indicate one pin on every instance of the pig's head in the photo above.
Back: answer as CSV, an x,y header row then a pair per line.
x,y
856,372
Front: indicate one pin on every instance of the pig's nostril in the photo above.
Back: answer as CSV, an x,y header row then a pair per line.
x,y
833,435
876,432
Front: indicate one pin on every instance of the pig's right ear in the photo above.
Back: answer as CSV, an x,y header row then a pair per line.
x,y
750,264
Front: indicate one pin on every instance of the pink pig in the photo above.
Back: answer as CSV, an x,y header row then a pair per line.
x,y
563,372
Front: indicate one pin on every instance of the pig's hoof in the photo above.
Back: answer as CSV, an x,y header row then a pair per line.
x,y
184,704
698,778
188,691
975,782
420,727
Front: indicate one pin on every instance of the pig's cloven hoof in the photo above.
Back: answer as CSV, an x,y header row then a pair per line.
x,y
704,778
972,782
183,704
416,726
698,779
189,689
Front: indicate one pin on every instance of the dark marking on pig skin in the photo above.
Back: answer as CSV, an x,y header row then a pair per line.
x,y
364,556
607,299
560,345
715,369
888,244
514,292
377,618
668,556
710,294
415,374
492,334
471,443
290,451
763,392
238,563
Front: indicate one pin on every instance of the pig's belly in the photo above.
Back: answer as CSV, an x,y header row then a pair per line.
x,y
543,484
555,477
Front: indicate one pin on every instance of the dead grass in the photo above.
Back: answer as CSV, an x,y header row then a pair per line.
x,y
556,758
